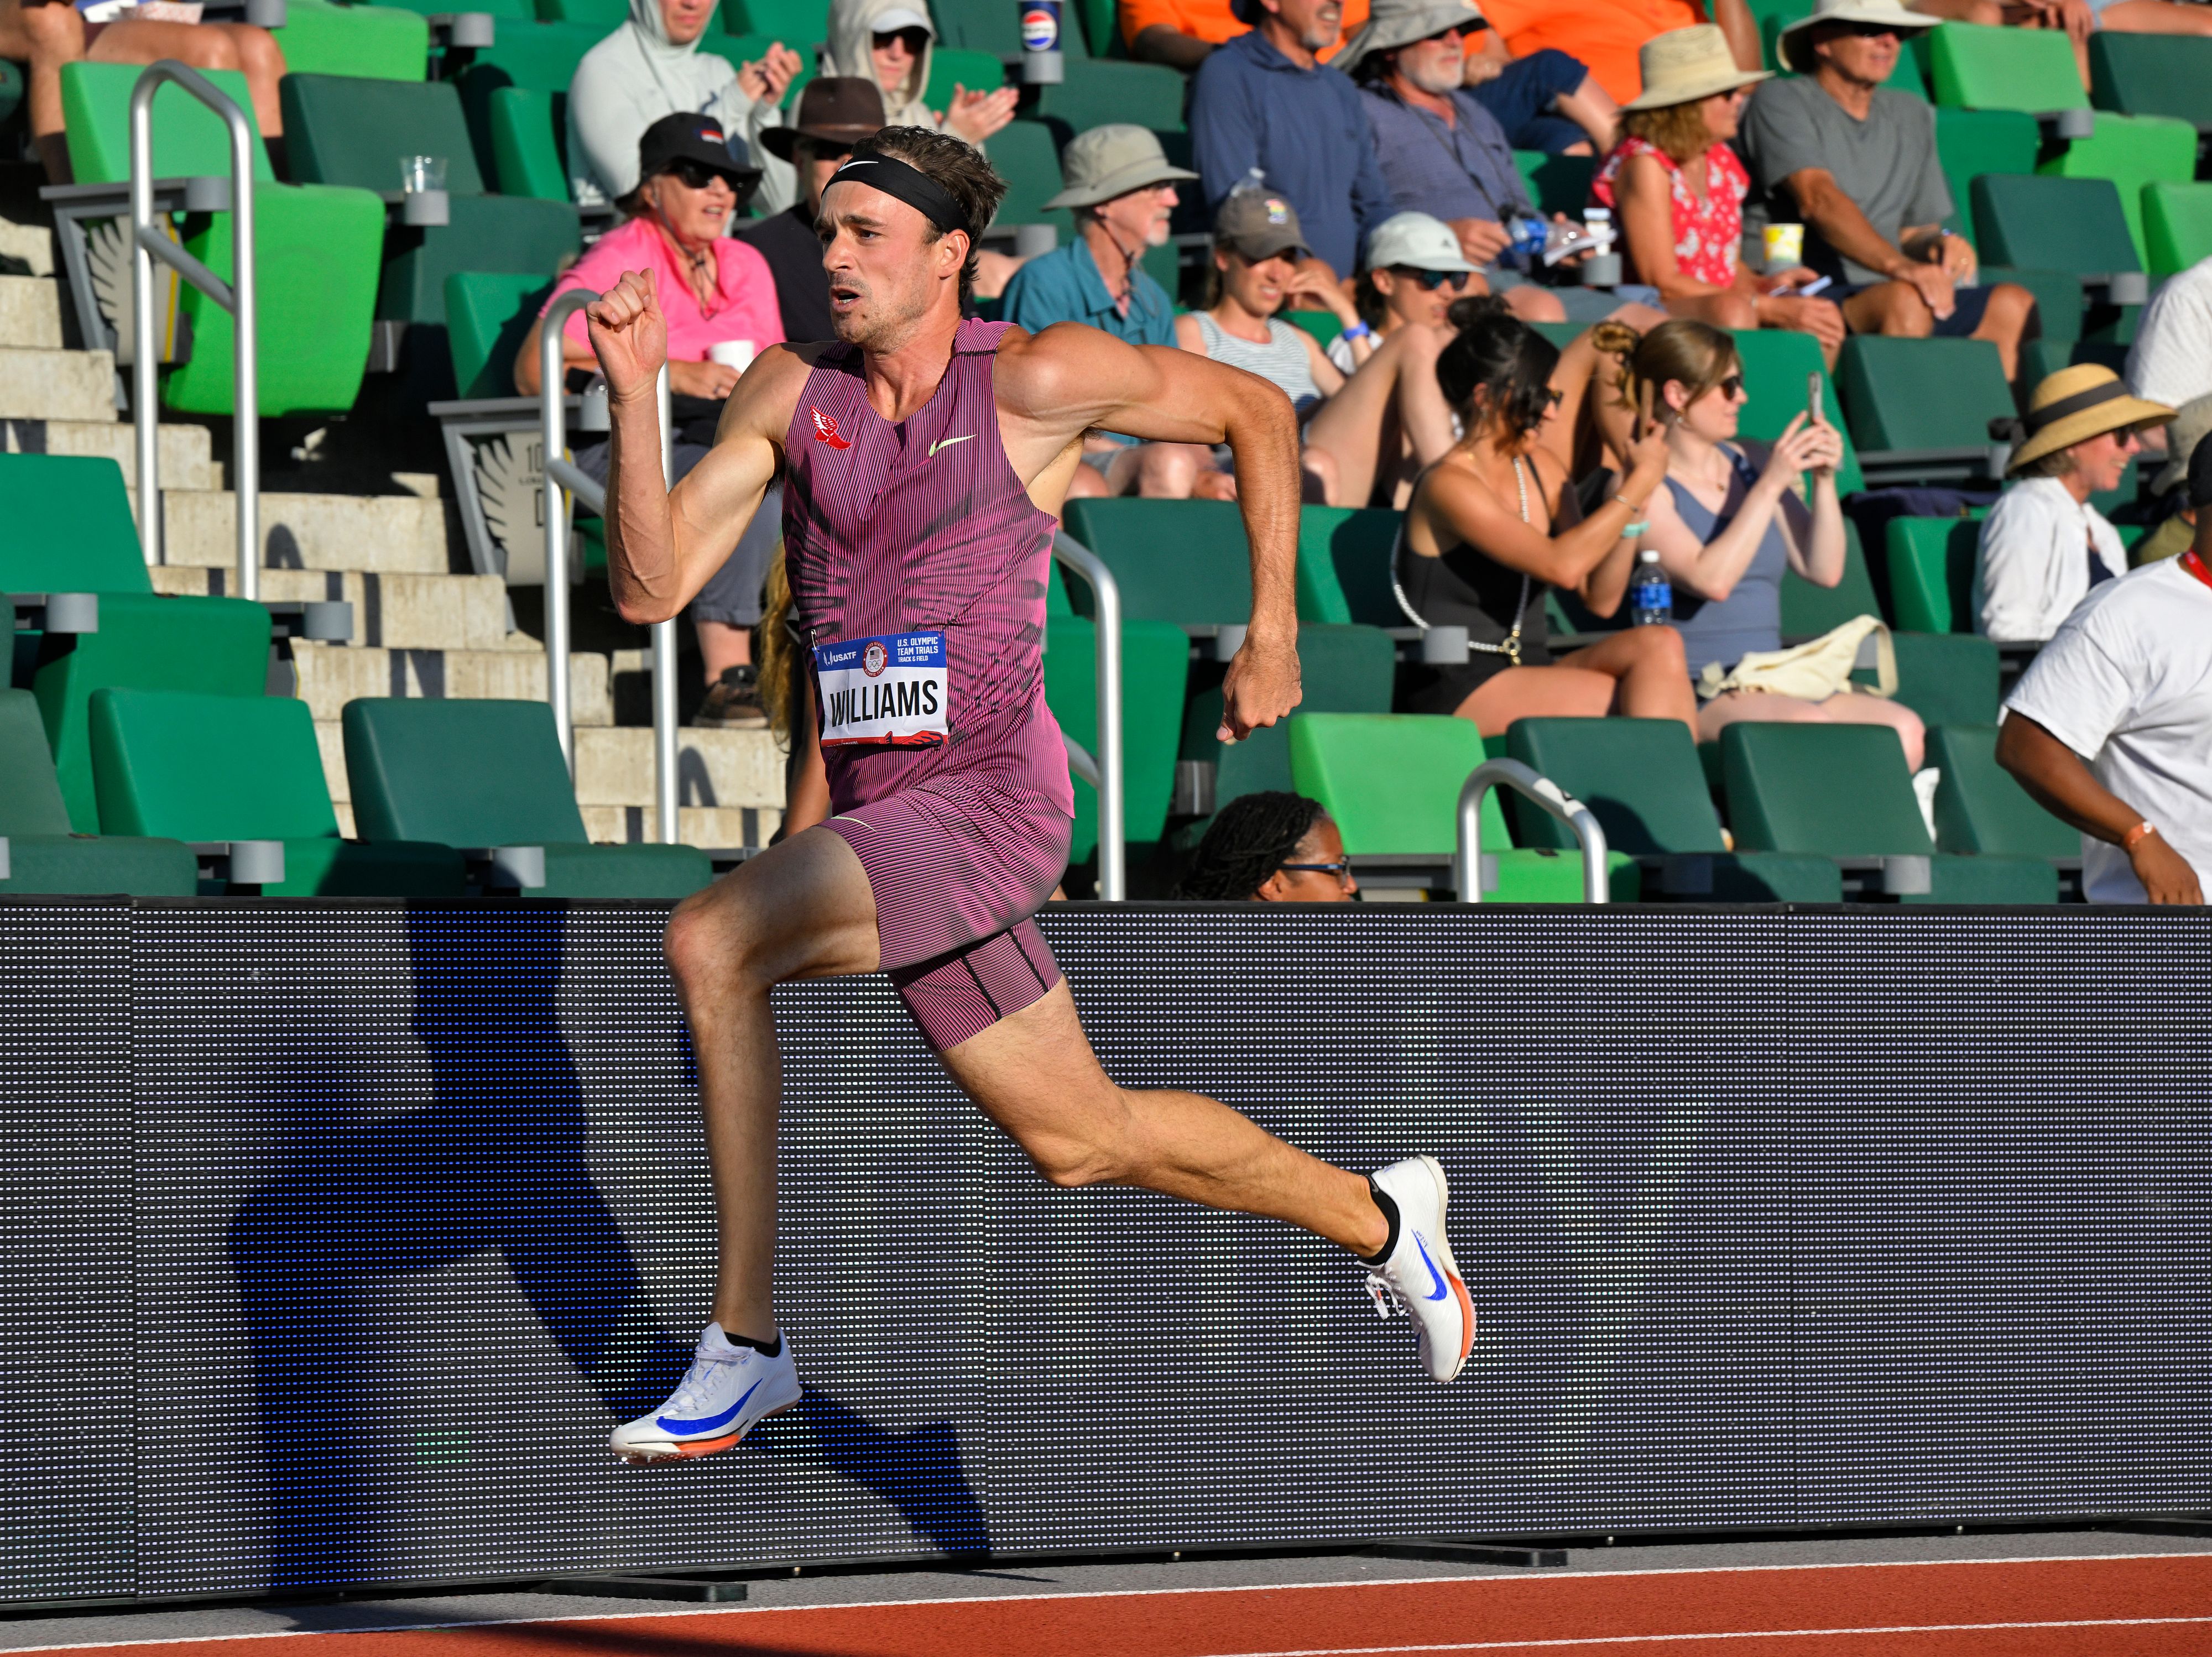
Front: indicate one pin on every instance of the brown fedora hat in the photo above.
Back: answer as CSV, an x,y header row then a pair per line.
x,y
842,109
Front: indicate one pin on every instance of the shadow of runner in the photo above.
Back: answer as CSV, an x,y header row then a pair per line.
x,y
919,1472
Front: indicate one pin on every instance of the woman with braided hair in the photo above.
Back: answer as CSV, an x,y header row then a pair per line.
x,y
1270,848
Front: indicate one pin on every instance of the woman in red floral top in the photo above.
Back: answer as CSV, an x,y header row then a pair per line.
x,y
1678,190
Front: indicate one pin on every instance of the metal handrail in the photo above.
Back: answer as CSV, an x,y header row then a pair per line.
x,y
1113,870
1467,860
235,296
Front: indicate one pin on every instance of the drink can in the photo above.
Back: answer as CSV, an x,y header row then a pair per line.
x,y
1785,246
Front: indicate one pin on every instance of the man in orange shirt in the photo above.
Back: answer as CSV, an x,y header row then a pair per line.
x,y
1605,34
1180,33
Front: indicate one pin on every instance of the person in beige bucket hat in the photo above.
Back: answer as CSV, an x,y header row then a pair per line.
x,y
2043,545
1532,100
1678,193
1854,161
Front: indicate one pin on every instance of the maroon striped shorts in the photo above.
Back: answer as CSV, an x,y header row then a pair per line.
x,y
959,865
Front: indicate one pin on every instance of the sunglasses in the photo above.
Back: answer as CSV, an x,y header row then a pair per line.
x,y
1449,32
697,175
1730,387
1869,31
915,40
1430,280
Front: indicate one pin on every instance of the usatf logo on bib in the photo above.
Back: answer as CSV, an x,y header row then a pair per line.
x,y
891,689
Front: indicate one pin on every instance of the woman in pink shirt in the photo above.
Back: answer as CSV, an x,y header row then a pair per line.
x,y
714,289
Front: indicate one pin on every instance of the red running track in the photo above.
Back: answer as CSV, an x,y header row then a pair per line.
x,y
2141,1606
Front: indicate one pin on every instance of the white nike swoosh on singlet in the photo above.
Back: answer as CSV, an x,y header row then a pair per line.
x,y
947,442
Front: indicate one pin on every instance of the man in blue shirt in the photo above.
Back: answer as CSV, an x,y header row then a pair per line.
x,y
1263,103
1122,190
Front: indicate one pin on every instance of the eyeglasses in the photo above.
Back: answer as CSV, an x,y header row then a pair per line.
x,y
697,175
1342,870
913,40
1731,387
1430,280
1553,395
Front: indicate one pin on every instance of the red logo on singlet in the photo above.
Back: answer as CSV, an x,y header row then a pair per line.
x,y
825,430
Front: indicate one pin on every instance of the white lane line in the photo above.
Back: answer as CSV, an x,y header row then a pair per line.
x,y
1767,1633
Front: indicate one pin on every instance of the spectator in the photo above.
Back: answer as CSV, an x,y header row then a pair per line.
x,y
1262,105
888,41
1270,848
2110,727
1444,154
2175,534
713,290
1609,35
2170,361
47,34
1415,270
651,68
1493,527
1731,525
835,113
1678,191
1857,163
1390,403
1122,189
2044,546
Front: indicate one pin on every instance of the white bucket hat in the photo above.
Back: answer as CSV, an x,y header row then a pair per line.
x,y
1683,65
1417,239
1789,44
1401,22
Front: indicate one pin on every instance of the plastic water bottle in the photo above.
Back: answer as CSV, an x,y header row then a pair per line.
x,y
1651,595
1528,238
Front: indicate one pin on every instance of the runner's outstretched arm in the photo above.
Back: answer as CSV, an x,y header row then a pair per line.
x,y
1067,374
662,546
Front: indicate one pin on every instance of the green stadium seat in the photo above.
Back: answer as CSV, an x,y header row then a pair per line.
x,y
1392,782
43,855
1971,142
1931,572
1323,326
488,314
1978,806
528,137
2177,226
604,15
1842,791
1947,678
71,531
315,251
345,131
1776,367
538,57
2132,152
2045,223
383,42
1095,93
1025,155
508,14
483,772
528,58
801,24
1155,666
198,768
993,26
1556,183
2168,74
1642,780
2059,307
1344,566
1185,562
1343,669
1808,610
1915,395
1973,66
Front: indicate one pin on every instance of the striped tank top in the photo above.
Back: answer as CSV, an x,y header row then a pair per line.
x,y
922,526
1281,361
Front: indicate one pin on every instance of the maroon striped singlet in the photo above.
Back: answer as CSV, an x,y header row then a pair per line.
x,y
922,526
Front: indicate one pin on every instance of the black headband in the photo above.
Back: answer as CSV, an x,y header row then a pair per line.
x,y
910,184
2051,413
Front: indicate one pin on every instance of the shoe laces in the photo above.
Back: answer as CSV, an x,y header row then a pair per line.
x,y
1384,1293
698,1384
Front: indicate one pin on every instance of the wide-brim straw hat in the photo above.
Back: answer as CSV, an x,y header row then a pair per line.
x,y
1401,22
1110,160
1683,65
2075,404
1789,43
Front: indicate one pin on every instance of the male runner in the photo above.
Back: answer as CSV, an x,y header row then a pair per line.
x,y
924,456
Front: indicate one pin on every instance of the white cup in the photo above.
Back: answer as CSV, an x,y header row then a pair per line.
x,y
731,353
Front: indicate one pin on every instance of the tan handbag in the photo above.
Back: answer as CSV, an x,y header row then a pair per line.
x,y
1813,671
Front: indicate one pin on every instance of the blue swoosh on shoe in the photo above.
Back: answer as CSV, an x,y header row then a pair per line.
x,y
1441,1291
708,1423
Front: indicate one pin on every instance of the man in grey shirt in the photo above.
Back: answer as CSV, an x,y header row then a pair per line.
x,y
1855,163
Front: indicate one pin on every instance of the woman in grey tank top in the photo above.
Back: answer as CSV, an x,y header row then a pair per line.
x,y
1728,527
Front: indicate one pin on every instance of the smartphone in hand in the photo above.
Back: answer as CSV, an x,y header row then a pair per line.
x,y
1812,399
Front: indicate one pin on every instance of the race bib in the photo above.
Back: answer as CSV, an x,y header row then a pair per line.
x,y
891,689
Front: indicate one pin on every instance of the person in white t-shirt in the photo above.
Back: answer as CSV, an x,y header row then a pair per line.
x,y
2171,360
2110,727
2044,546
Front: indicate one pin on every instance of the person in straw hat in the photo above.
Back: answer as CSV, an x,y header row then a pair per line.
x,y
1678,191
1122,189
1856,164
2044,547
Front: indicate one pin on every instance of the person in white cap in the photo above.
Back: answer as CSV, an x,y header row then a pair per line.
x,y
888,42
1415,270
1855,163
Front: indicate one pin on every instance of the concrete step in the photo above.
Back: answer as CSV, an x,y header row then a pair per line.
x,y
400,612
614,766
54,385
31,313
187,461
393,534
31,243
331,676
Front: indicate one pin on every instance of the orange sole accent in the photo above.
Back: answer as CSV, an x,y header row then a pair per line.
x,y
698,1447
1466,1316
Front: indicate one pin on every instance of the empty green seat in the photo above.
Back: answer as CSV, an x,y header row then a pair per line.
x,y
484,773
1843,791
1556,184
1971,142
1931,572
43,855
2052,224
799,24
2177,226
198,768
1344,566
316,249
1973,66
1025,155
1808,610
1980,808
488,314
2131,152
2167,75
528,139
1644,781
1923,393
1947,678
604,15
1184,561
1155,665
1392,781
386,42
527,57
1097,93
1777,368
345,130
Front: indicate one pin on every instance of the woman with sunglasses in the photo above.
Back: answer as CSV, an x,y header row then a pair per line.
x,y
1494,526
1729,525
888,42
